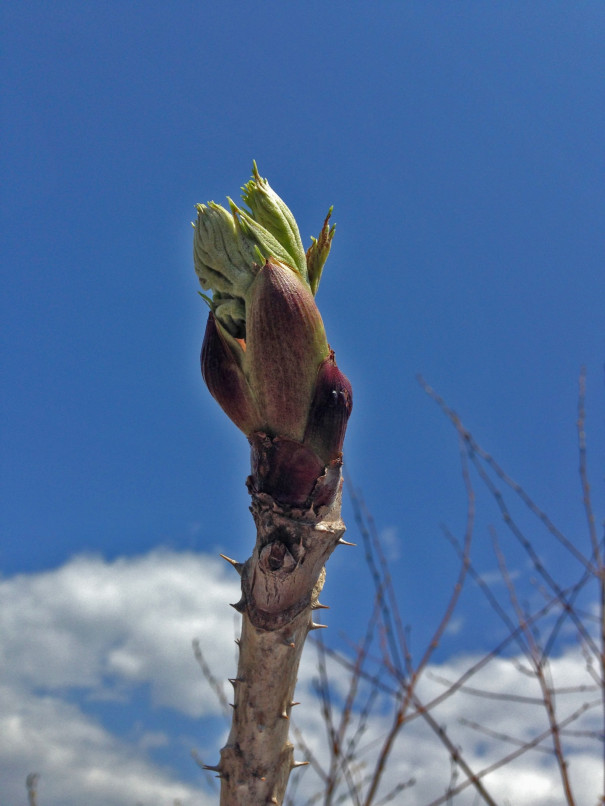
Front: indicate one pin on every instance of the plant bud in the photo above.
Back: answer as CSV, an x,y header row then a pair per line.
x,y
318,252
225,379
271,212
285,346
330,411
268,246
230,312
265,356
225,258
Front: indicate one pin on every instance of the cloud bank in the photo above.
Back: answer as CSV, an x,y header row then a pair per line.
x,y
93,639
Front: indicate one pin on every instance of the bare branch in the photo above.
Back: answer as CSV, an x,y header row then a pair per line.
x,y
592,529
31,784
215,684
517,488
542,671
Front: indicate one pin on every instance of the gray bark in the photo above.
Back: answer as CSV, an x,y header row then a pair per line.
x,y
281,583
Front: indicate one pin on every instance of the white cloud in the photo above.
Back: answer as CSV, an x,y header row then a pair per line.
x,y
97,630
78,761
93,631
101,626
531,780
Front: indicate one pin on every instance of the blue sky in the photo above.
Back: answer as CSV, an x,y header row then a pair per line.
x,y
462,148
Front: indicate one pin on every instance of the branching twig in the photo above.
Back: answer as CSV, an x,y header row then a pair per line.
x,y
214,684
31,784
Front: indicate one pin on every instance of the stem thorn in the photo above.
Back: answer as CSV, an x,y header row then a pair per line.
x,y
238,566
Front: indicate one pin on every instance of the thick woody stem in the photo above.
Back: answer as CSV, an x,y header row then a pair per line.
x,y
280,587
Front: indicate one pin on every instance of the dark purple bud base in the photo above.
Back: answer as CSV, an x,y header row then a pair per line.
x,y
291,473
296,507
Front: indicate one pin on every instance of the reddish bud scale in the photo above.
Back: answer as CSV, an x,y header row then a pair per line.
x,y
225,379
285,344
283,389
330,411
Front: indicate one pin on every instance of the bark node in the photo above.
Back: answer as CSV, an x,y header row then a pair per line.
x,y
281,583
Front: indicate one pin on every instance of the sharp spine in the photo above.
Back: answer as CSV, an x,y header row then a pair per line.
x,y
238,566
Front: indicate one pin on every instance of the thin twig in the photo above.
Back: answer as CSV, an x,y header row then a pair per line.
x,y
208,772
592,531
515,486
503,762
31,784
408,686
307,752
541,670
370,542
396,791
503,737
338,761
215,684
592,528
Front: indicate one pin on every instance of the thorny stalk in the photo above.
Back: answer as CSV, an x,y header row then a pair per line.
x,y
266,361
